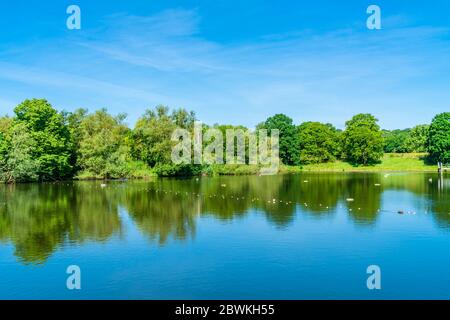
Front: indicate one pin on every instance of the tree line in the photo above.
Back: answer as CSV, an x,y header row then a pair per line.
x,y
41,144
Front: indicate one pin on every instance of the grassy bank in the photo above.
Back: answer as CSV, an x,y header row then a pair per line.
x,y
212,170
407,162
411,162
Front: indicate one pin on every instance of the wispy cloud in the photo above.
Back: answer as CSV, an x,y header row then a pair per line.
x,y
36,76
166,42
325,76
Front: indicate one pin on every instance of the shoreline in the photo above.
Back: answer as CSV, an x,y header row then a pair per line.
x,y
298,171
390,163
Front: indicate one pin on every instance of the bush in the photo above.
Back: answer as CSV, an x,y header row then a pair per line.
x,y
177,170
438,142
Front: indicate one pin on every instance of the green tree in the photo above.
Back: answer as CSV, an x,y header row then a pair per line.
x,y
47,128
289,144
74,121
395,140
19,164
153,131
5,126
104,146
183,118
318,142
362,140
417,139
438,142
152,137
235,128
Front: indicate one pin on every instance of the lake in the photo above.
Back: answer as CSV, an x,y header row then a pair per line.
x,y
305,236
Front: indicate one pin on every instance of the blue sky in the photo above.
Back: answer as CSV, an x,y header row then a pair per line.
x,y
234,62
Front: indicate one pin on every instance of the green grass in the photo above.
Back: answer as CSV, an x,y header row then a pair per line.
x,y
232,170
409,162
241,170
390,162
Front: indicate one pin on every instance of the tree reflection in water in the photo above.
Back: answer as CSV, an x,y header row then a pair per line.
x,y
38,219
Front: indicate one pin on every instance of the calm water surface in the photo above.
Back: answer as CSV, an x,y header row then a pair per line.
x,y
282,237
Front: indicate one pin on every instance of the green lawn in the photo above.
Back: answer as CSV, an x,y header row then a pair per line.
x,y
390,162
